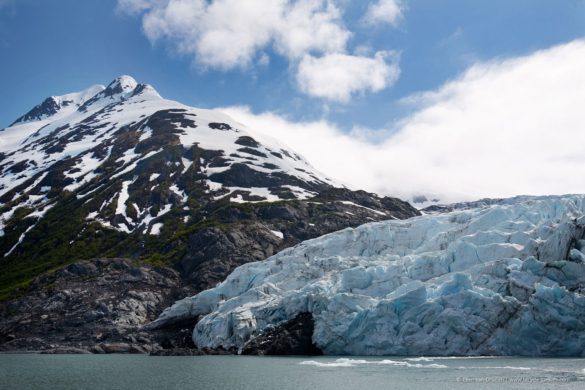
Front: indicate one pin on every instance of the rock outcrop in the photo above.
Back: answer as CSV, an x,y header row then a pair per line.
x,y
94,306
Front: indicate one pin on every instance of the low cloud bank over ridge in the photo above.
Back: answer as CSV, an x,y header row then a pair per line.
x,y
502,128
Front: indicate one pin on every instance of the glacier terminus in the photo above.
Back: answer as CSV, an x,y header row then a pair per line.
x,y
494,277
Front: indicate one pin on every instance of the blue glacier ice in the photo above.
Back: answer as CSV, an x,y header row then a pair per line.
x,y
503,277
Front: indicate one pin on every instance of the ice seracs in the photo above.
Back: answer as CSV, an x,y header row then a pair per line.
x,y
503,277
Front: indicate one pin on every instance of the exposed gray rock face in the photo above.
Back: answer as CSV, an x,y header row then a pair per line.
x,y
94,306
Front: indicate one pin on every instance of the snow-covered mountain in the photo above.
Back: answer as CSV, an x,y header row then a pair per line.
x,y
120,124
120,171
499,277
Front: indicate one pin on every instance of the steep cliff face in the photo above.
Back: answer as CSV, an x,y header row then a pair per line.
x,y
499,277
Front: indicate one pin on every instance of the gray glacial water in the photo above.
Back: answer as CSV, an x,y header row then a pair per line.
x,y
30,371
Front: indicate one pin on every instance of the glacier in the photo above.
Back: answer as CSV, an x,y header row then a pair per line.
x,y
503,277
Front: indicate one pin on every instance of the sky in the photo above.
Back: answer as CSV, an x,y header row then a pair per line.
x,y
453,99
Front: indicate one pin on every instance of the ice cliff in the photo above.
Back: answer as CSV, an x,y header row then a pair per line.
x,y
505,277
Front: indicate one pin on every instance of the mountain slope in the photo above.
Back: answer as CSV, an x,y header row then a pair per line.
x,y
119,171
500,277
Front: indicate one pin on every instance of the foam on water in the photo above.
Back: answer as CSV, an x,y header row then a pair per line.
x,y
495,368
413,363
420,359
345,362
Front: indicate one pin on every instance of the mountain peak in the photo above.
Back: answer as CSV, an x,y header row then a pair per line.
x,y
122,84
121,88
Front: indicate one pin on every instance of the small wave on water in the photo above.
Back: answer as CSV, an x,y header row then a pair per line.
x,y
337,363
493,368
420,359
345,362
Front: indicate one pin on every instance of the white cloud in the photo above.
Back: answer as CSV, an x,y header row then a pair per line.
x,y
337,77
384,11
503,128
227,34
310,26
235,34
